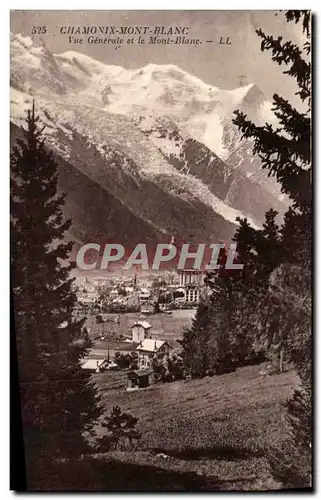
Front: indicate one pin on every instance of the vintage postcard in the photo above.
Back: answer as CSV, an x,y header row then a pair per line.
x,y
161,235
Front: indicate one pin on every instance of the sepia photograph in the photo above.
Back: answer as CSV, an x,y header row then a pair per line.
x,y
161,250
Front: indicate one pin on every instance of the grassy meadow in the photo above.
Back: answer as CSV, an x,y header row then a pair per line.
x,y
164,327
217,428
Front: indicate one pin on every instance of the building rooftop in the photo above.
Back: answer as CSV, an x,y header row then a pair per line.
x,y
188,270
144,324
150,345
92,364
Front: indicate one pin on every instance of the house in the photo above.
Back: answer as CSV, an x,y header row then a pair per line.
x,y
120,300
138,379
162,306
80,310
87,293
100,283
179,295
150,349
191,276
192,294
192,281
111,366
144,294
94,365
140,330
96,308
147,307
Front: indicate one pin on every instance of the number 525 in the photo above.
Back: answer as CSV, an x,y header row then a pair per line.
x,y
40,30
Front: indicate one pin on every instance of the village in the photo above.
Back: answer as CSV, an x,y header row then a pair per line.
x,y
135,324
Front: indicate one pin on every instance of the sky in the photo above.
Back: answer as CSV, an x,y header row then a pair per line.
x,y
222,66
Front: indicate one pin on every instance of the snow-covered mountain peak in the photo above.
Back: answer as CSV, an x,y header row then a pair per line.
x,y
29,50
156,128
72,60
166,90
19,40
198,109
240,93
170,73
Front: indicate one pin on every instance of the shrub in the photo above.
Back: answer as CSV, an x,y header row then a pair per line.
x,y
121,431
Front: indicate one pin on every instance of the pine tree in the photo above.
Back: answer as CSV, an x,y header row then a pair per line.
x,y
285,153
227,329
59,404
291,462
220,349
261,252
208,346
237,294
194,343
121,430
159,370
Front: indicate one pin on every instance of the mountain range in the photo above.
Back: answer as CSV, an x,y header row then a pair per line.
x,y
144,155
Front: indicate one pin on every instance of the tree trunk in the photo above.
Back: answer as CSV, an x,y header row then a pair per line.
x,y
281,360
